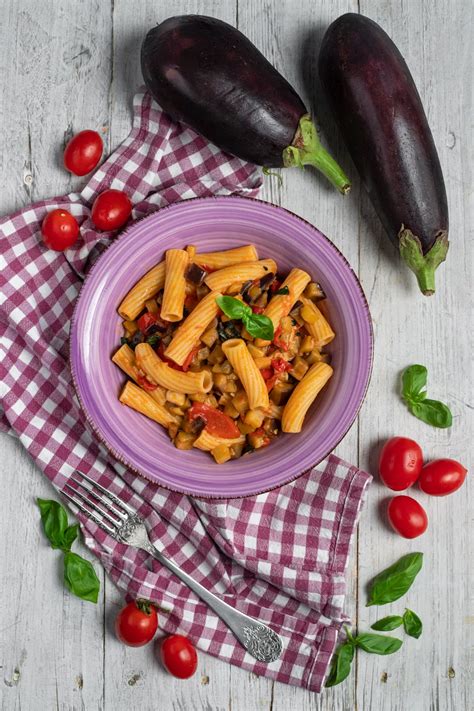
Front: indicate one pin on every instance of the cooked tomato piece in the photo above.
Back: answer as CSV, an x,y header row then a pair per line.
x,y
258,309
267,373
217,422
280,365
149,319
145,383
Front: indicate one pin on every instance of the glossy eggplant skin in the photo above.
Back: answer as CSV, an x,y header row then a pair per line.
x,y
379,112
208,74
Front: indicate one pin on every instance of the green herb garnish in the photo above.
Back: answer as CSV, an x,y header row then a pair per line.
x,y
153,340
79,574
258,325
284,291
433,412
412,624
387,624
394,582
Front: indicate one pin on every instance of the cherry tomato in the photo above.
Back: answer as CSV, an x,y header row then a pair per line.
x,y
179,656
83,152
407,516
280,365
217,422
59,230
148,319
111,209
136,623
442,477
400,463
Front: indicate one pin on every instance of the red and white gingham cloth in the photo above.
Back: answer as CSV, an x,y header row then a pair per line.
x,y
281,556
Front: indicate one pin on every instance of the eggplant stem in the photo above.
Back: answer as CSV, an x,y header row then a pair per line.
x,y
423,265
306,149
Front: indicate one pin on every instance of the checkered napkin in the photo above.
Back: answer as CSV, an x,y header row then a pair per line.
x,y
280,556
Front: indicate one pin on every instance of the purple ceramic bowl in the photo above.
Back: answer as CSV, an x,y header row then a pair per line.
x,y
212,224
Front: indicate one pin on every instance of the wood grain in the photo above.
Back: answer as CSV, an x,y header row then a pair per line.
x,y
67,66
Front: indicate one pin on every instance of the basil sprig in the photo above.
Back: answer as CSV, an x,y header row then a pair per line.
x,y
433,412
79,574
392,583
284,291
412,624
370,643
258,325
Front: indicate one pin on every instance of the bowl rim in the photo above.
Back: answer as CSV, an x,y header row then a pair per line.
x,y
102,438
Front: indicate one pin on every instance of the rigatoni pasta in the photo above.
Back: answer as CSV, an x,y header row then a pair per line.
x,y
303,396
194,365
237,274
189,332
246,369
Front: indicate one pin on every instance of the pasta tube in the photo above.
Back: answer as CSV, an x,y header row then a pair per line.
x,y
219,260
175,285
207,441
238,355
139,400
148,286
318,327
125,359
281,305
170,379
239,273
192,328
303,396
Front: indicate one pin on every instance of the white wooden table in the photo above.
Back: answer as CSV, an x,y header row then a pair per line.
x,y
69,65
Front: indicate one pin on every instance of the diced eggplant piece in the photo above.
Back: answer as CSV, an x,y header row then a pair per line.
x,y
266,280
196,274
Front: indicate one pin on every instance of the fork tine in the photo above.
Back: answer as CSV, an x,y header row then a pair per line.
x,y
89,514
95,507
103,500
115,499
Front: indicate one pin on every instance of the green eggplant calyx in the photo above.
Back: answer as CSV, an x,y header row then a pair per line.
x,y
306,149
423,265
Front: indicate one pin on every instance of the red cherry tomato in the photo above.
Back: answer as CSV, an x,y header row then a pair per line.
x,y
111,209
59,230
400,463
136,623
407,516
145,383
442,477
179,656
217,422
83,152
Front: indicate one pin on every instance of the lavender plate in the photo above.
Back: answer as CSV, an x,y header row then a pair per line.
x,y
212,224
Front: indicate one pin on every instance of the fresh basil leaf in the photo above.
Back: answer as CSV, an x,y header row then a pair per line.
x,y
80,577
259,326
412,624
386,624
432,412
284,291
233,308
414,379
54,520
377,643
341,664
70,535
392,583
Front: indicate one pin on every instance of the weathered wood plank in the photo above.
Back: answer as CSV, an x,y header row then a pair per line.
x,y
409,328
56,69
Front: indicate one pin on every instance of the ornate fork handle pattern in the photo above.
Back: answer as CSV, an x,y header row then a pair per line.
x,y
258,639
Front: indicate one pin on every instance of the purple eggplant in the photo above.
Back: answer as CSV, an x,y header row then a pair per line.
x,y
207,74
379,112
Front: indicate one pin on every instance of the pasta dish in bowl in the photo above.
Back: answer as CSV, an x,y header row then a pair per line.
x,y
221,373
245,339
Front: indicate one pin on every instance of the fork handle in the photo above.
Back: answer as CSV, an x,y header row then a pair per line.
x,y
259,640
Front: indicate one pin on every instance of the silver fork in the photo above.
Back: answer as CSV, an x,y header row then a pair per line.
x,y
125,525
